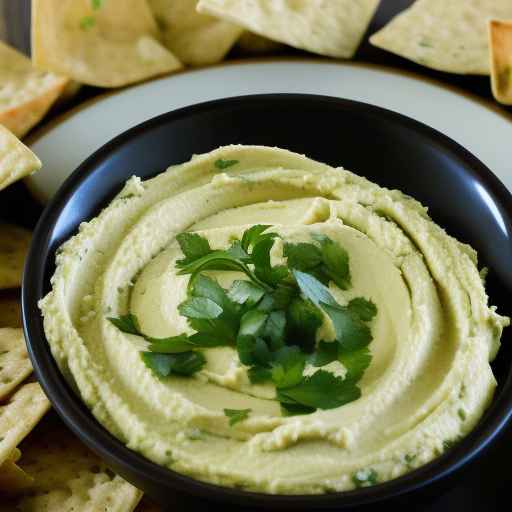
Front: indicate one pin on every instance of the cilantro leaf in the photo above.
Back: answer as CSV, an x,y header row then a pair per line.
x,y
296,409
236,415
313,289
288,367
251,235
252,322
225,164
322,390
245,292
200,307
355,361
184,364
326,352
127,323
363,308
253,351
302,256
193,246
351,332
274,329
303,320
336,261
258,374
171,345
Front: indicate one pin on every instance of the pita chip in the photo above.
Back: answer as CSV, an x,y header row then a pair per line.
x,y
445,35
328,27
104,43
500,41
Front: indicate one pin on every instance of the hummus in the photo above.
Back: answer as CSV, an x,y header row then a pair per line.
x,y
429,380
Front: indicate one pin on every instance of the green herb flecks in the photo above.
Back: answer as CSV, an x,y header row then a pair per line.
x,y
96,4
224,164
365,478
87,22
236,415
272,319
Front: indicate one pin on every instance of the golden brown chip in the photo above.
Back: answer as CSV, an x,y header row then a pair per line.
x,y
14,244
104,43
68,476
16,160
19,415
26,94
500,42
10,309
196,39
15,365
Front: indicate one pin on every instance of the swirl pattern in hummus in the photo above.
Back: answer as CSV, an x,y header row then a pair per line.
x,y
429,381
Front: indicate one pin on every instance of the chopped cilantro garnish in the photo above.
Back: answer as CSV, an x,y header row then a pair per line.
x,y
365,478
127,323
224,164
184,364
236,415
87,22
272,319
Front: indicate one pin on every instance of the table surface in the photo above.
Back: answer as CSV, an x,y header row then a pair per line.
x,y
480,486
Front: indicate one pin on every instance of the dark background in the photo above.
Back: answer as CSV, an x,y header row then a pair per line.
x,y
482,485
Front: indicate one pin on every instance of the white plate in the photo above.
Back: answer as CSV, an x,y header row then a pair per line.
x,y
483,131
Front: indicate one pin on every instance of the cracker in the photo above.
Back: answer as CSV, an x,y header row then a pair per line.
x,y
68,476
500,42
196,39
445,35
26,94
107,44
255,44
16,160
328,27
14,244
19,416
10,309
15,365
13,479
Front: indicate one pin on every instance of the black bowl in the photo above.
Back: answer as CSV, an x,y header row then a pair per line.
x,y
388,148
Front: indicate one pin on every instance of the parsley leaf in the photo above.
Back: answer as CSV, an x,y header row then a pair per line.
x,y
200,307
303,320
335,259
274,329
363,308
225,164
236,415
288,367
322,390
183,364
251,235
96,4
245,292
258,374
87,22
193,246
313,289
302,256
171,345
253,351
351,332
355,361
127,323
252,322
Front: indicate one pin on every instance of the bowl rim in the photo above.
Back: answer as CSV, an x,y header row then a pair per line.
x,y
79,418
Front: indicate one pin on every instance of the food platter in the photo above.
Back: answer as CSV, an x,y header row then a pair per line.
x,y
463,117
